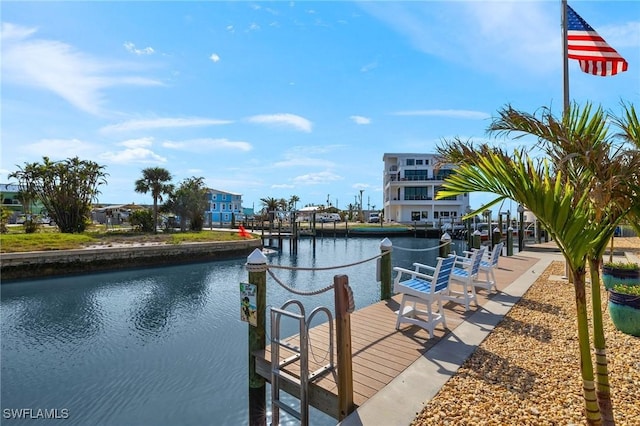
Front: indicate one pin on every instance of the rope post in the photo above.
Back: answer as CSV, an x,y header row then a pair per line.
x,y
476,239
257,267
343,346
385,269
496,237
445,245
510,241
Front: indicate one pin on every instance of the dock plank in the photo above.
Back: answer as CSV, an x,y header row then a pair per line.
x,y
379,351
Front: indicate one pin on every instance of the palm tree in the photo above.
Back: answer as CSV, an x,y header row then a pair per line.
x,y
580,146
293,200
271,205
566,195
155,179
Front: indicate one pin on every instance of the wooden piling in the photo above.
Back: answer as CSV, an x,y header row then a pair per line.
x,y
385,269
257,267
510,241
343,346
445,245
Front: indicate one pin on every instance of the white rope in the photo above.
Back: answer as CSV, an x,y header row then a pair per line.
x,y
327,268
299,292
422,249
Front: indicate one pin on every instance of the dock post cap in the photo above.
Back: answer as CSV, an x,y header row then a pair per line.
x,y
445,237
386,244
476,232
257,257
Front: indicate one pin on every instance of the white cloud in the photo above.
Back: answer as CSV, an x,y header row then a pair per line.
x,y
137,143
60,68
317,178
162,123
282,186
369,67
214,57
208,144
449,113
15,32
58,149
284,119
132,49
304,162
358,119
133,156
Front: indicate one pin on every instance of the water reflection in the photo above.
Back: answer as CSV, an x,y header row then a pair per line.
x,y
166,298
160,346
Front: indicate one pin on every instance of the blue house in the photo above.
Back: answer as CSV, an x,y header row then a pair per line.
x,y
222,204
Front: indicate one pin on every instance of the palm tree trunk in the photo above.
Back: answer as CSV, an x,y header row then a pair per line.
x,y
592,412
155,215
603,391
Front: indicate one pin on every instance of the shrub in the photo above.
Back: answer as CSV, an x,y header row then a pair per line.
x,y
627,266
633,290
142,220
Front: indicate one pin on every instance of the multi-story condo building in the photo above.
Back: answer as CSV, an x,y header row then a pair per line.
x,y
411,182
221,205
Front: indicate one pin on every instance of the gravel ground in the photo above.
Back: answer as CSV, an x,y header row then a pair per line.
x,y
527,371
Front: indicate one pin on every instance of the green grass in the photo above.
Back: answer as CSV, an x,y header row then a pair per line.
x,y
17,241
14,243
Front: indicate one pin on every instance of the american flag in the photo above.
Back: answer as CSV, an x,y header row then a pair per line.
x,y
585,44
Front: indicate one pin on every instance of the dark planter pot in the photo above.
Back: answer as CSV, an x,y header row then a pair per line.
x,y
625,312
612,276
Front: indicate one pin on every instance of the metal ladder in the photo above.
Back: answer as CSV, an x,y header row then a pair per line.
x,y
301,353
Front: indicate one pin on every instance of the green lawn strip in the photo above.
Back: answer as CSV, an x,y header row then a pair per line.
x,y
41,241
15,243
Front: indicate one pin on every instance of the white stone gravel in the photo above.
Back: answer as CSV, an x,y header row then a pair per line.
x,y
527,371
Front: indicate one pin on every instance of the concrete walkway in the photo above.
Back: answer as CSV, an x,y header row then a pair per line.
x,y
400,401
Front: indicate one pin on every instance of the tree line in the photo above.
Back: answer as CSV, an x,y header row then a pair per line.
x,y
67,190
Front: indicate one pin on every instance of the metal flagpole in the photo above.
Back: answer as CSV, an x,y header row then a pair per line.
x,y
565,57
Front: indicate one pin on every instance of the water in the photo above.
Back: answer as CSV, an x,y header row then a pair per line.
x,y
162,346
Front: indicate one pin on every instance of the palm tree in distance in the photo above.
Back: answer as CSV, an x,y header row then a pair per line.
x,y
293,201
271,206
155,180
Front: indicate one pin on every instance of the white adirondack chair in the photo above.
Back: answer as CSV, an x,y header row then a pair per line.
x,y
421,288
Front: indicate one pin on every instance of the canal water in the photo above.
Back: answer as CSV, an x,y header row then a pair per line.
x,y
161,346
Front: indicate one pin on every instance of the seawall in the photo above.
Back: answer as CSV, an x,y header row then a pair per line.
x,y
17,266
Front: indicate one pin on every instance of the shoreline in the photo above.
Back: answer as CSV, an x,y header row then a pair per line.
x,y
15,267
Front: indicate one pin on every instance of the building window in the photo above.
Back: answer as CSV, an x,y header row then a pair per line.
x,y
452,198
415,216
416,174
416,193
443,174
223,206
213,206
410,162
435,215
419,162
424,215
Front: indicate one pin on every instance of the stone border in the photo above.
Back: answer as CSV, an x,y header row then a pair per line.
x,y
41,264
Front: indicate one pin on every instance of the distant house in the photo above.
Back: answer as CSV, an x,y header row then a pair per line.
x,y
222,205
114,214
410,184
10,194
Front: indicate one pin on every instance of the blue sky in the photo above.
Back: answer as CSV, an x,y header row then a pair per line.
x,y
272,99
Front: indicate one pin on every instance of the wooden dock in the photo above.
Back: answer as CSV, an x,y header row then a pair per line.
x,y
379,351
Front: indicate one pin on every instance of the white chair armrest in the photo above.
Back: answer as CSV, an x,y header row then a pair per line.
x,y
423,266
414,274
